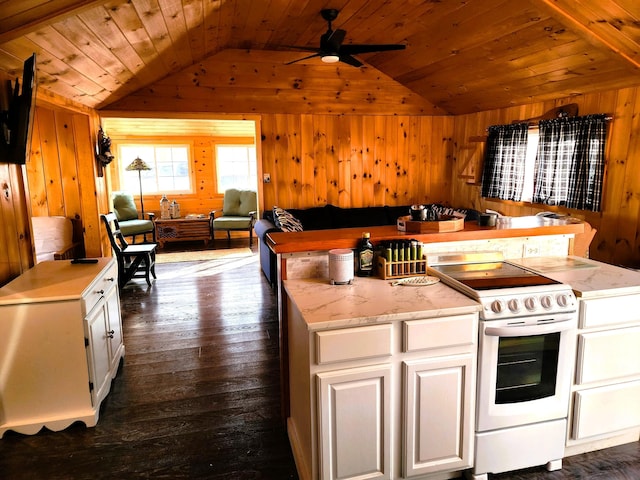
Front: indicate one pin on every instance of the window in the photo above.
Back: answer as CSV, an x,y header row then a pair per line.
x,y
236,167
169,168
561,163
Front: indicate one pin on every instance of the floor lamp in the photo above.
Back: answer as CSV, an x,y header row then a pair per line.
x,y
139,165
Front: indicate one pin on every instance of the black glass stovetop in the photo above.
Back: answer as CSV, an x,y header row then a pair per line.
x,y
493,275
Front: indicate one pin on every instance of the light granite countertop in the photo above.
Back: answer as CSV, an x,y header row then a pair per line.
x,y
372,300
588,278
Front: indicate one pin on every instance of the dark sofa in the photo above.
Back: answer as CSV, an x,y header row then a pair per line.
x,y
330,216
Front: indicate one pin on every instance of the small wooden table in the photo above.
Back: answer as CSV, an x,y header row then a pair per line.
x,y
183,229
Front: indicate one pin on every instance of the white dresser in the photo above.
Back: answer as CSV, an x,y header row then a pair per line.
x,y
60,344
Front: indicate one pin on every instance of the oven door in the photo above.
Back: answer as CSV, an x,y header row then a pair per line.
x,y
524,370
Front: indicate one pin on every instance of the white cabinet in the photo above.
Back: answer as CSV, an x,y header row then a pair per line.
x,y
389,400
105,348
606,389
437,405
60,344
354,418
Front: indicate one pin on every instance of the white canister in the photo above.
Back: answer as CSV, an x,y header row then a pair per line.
x,y
340,266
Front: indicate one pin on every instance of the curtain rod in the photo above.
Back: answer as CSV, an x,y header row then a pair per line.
x,y
535,123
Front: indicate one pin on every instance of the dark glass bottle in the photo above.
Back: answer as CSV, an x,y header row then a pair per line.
x,y
364,256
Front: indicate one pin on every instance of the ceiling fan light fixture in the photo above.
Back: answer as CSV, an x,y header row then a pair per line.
x,y
332,58
332,49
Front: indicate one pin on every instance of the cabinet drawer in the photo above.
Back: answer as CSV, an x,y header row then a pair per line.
x,y
600,312
608,355
103,283
603,410
439,332
353,343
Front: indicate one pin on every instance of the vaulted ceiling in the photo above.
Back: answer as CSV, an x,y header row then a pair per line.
x,y
461,56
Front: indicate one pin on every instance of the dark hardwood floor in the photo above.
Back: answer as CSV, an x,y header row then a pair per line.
x,y
197,395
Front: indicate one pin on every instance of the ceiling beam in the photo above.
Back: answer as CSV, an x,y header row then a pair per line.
x,y
15,23
598,38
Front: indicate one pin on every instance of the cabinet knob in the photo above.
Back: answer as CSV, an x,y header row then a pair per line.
x,y
110,333
110,279
101,292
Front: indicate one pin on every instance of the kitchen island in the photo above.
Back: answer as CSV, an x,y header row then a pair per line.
x,y
382,379
302,255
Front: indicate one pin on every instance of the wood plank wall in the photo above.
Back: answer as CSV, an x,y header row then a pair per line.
x,y
15,245
62,172
618,237
355,160
348,160
60,177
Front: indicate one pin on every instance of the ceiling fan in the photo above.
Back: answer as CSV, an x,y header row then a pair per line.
x,y
332,50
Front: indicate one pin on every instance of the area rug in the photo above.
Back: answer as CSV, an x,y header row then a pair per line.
x,y
203,255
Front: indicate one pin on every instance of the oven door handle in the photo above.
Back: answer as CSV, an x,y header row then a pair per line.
x,y
529,330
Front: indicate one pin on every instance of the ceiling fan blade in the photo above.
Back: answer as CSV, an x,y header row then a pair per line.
x,y
356,49
297,47
336,38
304,58
348,59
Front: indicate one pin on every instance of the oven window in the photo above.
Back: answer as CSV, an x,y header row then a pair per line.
x,y
527,367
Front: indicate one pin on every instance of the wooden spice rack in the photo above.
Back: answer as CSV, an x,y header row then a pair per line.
x,y
401,269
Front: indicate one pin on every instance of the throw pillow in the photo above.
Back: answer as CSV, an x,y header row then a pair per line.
x,y
285,221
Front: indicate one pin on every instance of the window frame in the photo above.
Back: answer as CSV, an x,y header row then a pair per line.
x,y
233,142
154,142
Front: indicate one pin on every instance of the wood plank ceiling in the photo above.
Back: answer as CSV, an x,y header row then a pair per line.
x,y
462,56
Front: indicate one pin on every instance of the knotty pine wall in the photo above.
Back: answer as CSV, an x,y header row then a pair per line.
x,y
62,174
355,160
347,160
15,245
60,177
618,237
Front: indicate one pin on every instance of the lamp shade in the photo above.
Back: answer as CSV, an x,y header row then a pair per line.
x,y
138,164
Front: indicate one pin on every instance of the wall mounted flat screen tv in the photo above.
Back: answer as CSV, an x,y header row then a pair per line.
x,y
17,121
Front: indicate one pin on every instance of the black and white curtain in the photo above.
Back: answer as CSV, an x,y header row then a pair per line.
x,y
569,168
503,172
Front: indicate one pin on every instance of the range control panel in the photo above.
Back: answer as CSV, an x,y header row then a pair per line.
x,y
526,304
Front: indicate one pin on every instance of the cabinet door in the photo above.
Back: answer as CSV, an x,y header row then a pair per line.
x,y
438,407
97,323
354,423
114,329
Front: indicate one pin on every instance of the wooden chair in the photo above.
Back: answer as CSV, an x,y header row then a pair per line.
x,y
239,212
134,261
